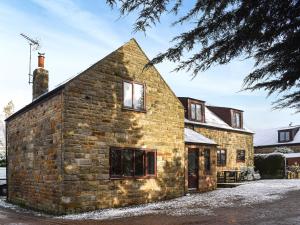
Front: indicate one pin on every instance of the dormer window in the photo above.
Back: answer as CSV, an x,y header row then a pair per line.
x,y
237,119
196,111
284,136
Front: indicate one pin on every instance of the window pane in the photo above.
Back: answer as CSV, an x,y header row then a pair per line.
x,y
207,160
198,112
281,136
115,157
237,120
139,163
127,162
240,155
193,111
222,157
151,163
127,92
138,97
218,157
287,136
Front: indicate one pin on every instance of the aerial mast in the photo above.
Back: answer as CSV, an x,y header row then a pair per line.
x,y
33,45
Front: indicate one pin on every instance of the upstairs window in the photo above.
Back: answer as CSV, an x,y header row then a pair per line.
x,y
221,157
196,112
133,96
240,155
284,136
207,165
237,120
127,162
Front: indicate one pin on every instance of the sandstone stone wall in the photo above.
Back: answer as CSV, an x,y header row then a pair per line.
x,y
270,149
231,141
207,181
95,121
34,156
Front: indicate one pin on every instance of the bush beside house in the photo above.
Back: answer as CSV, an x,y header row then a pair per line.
x,y
270,166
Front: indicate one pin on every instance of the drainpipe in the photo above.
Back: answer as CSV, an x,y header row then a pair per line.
x,y
6,154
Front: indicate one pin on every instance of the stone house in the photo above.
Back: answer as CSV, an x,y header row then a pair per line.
x,y
225,127
267,140
111,136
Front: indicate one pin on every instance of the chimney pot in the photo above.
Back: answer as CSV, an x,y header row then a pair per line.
x,y
41,60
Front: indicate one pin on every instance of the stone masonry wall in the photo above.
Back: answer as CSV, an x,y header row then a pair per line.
x,y
34,156
95,121
231,141
270,149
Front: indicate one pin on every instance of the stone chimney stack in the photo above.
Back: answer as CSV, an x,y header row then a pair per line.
x,y
40,78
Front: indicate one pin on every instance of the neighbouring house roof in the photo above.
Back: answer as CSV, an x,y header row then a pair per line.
x,y
269,137
212,120
292,155
191,136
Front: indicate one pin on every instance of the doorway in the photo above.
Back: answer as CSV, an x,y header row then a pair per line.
x,y
193,168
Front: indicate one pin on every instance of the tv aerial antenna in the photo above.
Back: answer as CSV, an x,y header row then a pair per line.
x,y
33,46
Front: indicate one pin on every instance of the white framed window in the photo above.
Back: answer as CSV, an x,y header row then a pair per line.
x,y
196,112
237,120
133,95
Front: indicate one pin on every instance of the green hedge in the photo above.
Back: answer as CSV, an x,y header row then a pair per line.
x,y
270,166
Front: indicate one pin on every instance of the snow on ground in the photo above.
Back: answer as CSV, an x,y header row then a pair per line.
x,y
7,205
248,193
202,203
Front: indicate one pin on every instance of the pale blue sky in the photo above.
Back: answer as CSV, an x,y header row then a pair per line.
x,y
76,34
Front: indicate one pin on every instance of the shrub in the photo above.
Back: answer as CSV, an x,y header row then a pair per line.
x,y
248,174
270,166
283,150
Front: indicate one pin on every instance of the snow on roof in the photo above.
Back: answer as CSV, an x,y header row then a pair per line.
x,y
292,155
267,137
195,137
212,120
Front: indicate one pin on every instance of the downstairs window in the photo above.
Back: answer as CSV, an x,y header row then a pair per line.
x,y
128,162
221,157
240,155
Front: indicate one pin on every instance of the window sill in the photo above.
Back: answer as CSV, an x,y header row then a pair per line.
x,y
237,127
134,110
199,121
132,178
285,141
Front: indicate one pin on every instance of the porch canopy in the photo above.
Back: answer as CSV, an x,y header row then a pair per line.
x,y
191,136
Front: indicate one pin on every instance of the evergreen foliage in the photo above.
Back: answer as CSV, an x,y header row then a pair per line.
x,y
267,30
270,166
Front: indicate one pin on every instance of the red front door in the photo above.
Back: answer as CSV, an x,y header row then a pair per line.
x,y
193,168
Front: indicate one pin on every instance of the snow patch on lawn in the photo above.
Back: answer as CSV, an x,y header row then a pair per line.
x,y
202,203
